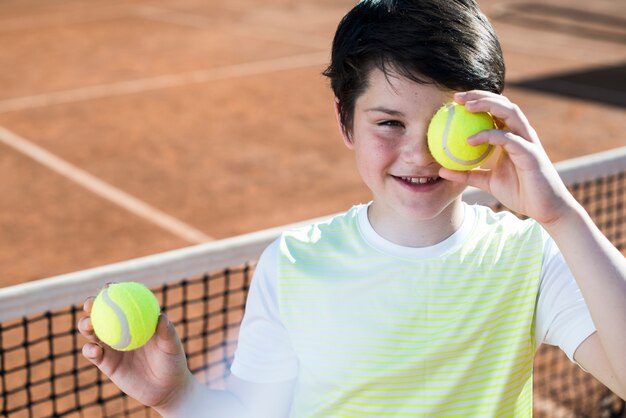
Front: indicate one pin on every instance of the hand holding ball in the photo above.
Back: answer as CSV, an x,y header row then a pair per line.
x,y
447,137
125,315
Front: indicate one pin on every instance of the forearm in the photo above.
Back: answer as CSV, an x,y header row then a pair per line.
x,y
195,400
600,271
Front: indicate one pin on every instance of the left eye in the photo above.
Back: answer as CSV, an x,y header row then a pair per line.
x,y
392,123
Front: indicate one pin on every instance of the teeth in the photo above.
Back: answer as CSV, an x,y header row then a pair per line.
x,y
419,180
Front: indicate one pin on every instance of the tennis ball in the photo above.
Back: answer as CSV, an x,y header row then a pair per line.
x,y
125,315
447,137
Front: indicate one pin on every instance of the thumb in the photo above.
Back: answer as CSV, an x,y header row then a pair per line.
x,y
166,337
477,177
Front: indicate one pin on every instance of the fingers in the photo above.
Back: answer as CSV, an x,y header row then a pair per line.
x,y
86,328
94,353
88,304
514,135
508,115
84,324
511,143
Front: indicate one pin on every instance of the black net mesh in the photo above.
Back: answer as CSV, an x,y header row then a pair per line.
x,y
43,374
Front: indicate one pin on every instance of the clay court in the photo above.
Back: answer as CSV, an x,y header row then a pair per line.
x,y
129,128
135,127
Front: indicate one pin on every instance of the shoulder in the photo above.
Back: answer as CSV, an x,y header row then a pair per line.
x,y
503,230
300,237
338,236
504,222
322,229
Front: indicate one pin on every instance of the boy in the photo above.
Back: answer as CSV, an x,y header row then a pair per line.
x,y
414,304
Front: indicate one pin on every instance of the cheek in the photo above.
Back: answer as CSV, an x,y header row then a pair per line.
x,y
374,150
383,150
374,158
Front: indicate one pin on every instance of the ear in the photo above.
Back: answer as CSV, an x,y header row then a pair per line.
x,y
347,140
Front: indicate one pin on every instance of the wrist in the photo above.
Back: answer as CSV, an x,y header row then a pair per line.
x,y
179,403
573,216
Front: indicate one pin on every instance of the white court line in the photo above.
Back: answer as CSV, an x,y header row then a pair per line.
x,y
162,82
102,189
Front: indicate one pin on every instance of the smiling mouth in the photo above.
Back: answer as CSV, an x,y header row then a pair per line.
x,y
419,180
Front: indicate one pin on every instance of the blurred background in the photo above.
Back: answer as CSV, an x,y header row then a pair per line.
x,y
134,127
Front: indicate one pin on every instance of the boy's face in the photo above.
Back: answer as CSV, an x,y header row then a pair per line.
x,y
389,140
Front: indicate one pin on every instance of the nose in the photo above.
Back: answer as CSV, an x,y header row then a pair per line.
x,y
415,150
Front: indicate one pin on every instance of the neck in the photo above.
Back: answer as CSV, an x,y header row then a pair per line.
x,y
409,231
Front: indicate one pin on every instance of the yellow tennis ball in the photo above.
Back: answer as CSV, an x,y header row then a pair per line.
x,y
447,137
125,315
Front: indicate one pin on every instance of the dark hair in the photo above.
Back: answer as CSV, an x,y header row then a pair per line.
x,y
449,43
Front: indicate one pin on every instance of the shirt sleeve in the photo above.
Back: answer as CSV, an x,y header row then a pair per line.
x,y
562,317
264,352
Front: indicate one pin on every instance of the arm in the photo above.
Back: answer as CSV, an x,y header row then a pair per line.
x,y
241,399
600,271
157,376
525,181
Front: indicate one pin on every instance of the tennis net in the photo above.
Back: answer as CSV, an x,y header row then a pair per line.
x,y
203,291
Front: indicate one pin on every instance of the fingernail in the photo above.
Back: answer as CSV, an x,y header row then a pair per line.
x,y
89,350
460,94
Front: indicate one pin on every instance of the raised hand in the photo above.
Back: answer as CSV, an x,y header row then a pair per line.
x,y
523,178
152,374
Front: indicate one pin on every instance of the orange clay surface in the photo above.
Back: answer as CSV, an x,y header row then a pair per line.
x,y
215,114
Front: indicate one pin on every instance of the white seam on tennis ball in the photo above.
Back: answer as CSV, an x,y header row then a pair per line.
x,y
451,108
125,338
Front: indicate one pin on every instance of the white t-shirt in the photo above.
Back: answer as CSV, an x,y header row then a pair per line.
x,y
265,355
